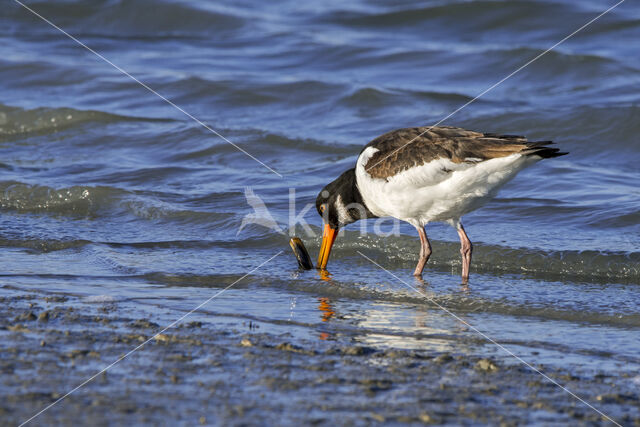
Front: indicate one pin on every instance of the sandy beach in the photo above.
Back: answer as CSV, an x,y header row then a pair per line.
x,y
215,371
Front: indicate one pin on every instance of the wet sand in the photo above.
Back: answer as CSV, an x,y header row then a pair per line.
x,y
211,372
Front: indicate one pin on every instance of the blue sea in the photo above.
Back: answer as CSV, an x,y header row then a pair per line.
x,y
110,190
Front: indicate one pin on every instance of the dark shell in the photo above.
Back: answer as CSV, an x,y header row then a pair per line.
x,y
304,260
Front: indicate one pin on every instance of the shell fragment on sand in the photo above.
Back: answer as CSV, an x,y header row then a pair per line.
x,y
304,260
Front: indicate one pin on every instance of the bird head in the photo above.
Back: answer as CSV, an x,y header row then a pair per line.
x,y
339,203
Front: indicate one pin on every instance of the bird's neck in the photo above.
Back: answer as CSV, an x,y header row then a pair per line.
x,y
351,195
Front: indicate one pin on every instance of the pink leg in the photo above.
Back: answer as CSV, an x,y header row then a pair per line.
x,y
465,249
425,251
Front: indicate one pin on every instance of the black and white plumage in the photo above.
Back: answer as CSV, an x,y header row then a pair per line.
x,y
426,174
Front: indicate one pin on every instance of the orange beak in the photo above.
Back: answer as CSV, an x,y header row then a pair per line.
x,y
328,237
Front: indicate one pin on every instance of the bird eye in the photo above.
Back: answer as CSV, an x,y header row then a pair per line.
x,y
321,208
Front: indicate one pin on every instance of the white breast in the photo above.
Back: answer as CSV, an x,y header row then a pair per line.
x,y
439,190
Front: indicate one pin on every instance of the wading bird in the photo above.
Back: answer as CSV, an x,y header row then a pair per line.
x,y
422,175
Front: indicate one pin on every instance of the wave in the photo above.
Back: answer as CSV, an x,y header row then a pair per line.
x,y
581,312
111,202
42,245
99,202
602,211
263,143
133,18
76,200
483,13
602,131
579,266
383,98
15,121
247,93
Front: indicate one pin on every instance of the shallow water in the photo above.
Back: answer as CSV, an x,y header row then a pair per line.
x,y
105,189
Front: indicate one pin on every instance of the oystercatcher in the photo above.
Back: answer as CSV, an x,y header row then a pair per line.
x,y
422,175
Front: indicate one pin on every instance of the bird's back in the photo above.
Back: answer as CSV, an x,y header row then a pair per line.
x,y
428,174
402,149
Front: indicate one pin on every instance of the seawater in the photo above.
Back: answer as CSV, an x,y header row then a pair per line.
x,y
108,191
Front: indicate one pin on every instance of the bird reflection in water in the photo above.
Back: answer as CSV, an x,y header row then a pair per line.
x,y
324,275
326,313
421,314
427,317
325,307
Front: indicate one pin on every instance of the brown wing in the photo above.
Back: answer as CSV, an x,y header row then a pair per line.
x,y
402,149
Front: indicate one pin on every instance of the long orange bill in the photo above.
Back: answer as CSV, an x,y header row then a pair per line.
x,y
328,237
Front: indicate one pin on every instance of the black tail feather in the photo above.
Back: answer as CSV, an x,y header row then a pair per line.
x,y
540,148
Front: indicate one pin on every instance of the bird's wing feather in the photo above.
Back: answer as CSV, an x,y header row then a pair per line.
x,y
403,149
